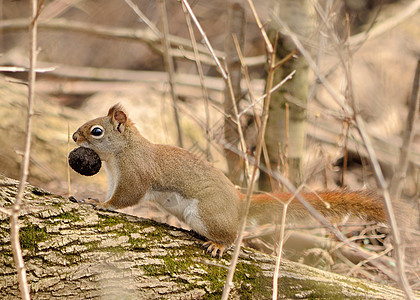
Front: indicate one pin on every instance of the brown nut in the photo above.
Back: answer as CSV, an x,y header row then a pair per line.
x,y
85,161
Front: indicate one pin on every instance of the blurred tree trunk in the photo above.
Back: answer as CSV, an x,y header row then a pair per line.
x,y
236,27
299,16
73,251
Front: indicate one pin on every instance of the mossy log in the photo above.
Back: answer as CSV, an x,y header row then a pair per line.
x,y
73,251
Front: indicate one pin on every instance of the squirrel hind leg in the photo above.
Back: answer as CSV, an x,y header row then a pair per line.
x,y
215,249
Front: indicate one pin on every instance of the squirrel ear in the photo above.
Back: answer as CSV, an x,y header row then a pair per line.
x,y
118,117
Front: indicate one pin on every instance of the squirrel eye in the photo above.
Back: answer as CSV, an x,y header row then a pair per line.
x,y
97,131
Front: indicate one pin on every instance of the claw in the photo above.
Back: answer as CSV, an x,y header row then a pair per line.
x,y
73,199
91,201
214,248
94,202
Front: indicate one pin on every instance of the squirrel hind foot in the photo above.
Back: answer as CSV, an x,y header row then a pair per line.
x,y
215,249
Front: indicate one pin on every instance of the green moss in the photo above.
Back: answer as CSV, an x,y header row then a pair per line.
x,y
154,270
6,253
311,289
31,235
72,216
95,246
127,228
252,281
105,220
170,266
217,277
72,258
173,265
138,245
358,284
109,221
92,245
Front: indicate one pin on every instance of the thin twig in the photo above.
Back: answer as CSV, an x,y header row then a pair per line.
x,y
143,18
286,145
201,76
401,167
280,251
338,98
236,25
360,263
322,43
272,90
169,64
397,242
238,124
349,93
281,240
139,35
346,152
16,208
5,211
57,8
22,69
252,99
67,161
225,76
387,25
270,77
206,40
268,45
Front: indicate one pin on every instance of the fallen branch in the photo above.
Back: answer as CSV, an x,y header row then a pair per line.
x,y
146,36
75,251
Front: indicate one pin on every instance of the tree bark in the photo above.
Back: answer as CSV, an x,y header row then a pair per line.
x,y
73,251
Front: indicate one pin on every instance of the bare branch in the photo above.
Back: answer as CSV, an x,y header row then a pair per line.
x,y
281,241
206,40
143,18
387,25
169,65
201,76
339,99
269,47
142,35
235,28
401,167
260,141
5,211
22,69
14,221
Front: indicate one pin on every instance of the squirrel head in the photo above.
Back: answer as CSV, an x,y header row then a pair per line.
x,y
106,135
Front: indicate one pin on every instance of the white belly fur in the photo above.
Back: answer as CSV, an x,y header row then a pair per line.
x,y
184,209
113,176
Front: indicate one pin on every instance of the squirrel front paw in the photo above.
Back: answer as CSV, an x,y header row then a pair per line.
x,y
94,202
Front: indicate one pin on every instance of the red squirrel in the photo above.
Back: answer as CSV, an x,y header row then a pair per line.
x,y
191,188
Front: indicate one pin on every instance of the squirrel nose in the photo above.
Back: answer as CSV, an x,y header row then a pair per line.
x,y
75,135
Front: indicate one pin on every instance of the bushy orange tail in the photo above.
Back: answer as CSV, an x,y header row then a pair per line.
x,y
364,204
